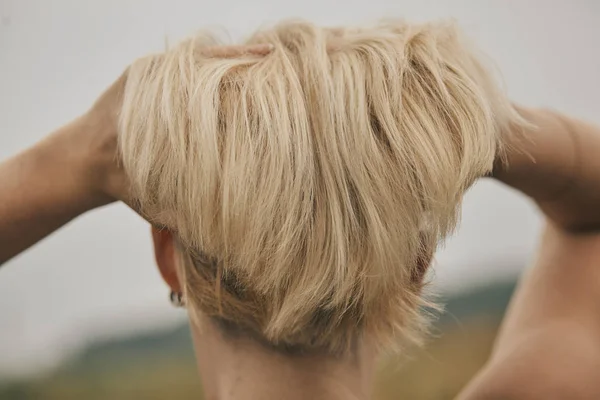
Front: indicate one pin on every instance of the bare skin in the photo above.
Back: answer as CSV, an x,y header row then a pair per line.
x,y
75,170
242,369
548,346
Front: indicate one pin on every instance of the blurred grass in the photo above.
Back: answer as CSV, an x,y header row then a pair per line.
x,y
442,368
161,365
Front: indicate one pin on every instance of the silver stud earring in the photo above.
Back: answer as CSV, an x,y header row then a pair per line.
x,y
177,299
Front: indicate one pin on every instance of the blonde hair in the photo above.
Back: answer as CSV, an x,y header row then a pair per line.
x,y
309,187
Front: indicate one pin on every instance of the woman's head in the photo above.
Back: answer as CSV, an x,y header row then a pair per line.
x,y
307,189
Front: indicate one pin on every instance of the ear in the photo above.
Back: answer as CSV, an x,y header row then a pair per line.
x,y
164,252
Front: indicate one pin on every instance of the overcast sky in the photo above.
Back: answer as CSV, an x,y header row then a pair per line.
x,y
96,277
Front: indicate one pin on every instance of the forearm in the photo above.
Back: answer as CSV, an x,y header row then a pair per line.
x,y
43,188
558,165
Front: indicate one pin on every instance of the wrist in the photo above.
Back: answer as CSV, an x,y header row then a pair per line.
x,y
77,164
539,157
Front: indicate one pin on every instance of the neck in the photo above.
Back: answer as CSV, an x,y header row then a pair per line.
x,y
240,368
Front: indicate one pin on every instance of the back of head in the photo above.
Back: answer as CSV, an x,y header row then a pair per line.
x,y
308,188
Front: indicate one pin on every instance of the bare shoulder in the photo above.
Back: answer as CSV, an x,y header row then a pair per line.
x,y
559,362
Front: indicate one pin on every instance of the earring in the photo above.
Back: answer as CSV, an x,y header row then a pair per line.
x,y
177,299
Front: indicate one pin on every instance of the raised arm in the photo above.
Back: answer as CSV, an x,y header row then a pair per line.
x,y
73,170
549,343
557,164
548,346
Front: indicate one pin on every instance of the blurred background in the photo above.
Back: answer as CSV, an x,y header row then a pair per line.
x,y
84,314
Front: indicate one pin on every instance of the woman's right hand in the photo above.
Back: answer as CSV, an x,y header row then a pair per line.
x,y
71,171
100,127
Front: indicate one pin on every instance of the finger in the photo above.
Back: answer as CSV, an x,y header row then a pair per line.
x,y
236,51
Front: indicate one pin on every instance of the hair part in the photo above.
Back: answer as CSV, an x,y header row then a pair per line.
x,y
309,187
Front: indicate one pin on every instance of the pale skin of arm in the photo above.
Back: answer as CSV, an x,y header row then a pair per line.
x,y
548,346
549,343
75,170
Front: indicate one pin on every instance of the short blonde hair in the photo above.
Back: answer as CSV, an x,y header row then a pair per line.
x,y
309,187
